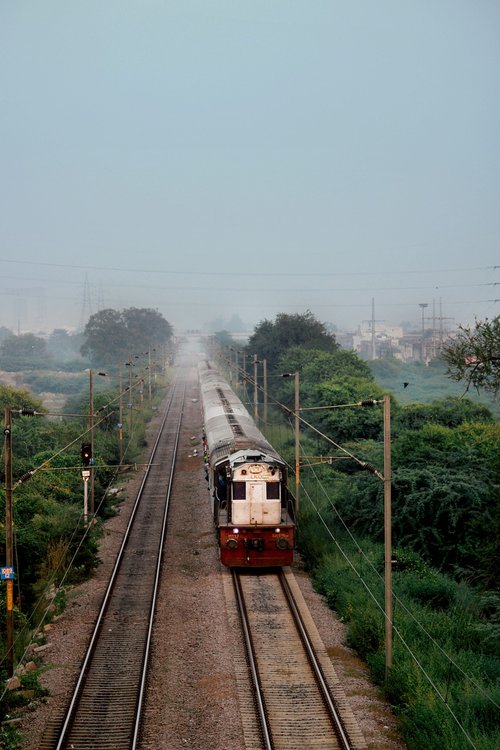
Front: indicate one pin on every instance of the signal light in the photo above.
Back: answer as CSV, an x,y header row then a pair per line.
x,y
86,454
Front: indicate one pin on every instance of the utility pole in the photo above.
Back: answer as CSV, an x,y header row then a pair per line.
x,y
441,318
297,442
236,367
372,322
255,390
91,436
373,327
130,402
9,537
120,413
264,383
423,306
297,436
387,534
245,384
149,377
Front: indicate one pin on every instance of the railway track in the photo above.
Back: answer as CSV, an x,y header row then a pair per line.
x,y
105,710
300,704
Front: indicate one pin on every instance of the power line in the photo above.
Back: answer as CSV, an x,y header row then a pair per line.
x,y
233,288
245,273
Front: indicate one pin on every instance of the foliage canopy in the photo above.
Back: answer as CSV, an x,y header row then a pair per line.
x,y
111,335
271,340
474,356
25,351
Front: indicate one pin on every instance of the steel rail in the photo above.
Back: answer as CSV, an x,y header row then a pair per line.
x,y
157,578
332,710
259,682
261,709
70,714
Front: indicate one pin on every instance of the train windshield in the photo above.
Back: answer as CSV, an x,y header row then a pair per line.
x,y
239,490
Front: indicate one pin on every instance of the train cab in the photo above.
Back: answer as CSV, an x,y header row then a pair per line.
x,y
253,512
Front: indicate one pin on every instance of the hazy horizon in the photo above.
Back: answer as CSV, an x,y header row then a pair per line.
x,y
224,159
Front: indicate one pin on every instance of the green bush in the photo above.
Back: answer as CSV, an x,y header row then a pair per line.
x,y
365,632
434,589
31,681
428,725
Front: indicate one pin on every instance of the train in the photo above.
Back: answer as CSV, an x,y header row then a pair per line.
x,y
252,507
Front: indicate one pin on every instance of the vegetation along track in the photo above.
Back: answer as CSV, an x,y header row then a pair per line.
x,y
105,710
299,705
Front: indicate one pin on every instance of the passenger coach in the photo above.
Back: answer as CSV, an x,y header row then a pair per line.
x,y
252,507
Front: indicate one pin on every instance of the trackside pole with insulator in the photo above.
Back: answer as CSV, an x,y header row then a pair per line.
x,y
297,441
387,534
9,547
264,384
255,390
120,413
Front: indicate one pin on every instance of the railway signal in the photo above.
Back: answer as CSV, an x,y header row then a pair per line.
x,y
86,454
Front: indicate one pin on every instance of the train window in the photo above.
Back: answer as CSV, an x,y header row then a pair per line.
x,y
239,490
273,490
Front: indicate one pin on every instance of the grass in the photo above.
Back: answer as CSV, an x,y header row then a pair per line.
x,y
441,702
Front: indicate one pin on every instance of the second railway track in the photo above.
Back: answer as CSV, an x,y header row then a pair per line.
x,y
105,710
296,705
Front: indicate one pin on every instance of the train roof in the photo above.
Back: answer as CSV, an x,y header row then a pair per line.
x,y
230,431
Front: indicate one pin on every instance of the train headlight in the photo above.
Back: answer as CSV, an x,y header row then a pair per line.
x,y
231,543
282,543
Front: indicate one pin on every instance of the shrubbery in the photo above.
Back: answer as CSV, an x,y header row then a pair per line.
x,y
446,634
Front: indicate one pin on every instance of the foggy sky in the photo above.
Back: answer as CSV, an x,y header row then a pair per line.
x,y
213,158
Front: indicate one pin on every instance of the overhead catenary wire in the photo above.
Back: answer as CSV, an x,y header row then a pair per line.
x,y
348,453
245,272
259,286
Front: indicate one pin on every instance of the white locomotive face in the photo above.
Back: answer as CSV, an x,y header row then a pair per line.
x,y
256,495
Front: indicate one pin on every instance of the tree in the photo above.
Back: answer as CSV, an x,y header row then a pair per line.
x,y
270,340
146,327
326,378
105,339
26,351
474,356
350,423
5,333
449,412
111,335
316,365
444,497
64,346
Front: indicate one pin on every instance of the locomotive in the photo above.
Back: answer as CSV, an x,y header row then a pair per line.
x,y
252,507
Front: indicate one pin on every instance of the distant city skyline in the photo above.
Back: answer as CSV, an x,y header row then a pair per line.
x,y
29,306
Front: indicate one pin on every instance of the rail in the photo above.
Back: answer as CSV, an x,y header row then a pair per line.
x,y
105,710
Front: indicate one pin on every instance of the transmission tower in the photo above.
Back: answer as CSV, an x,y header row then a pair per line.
x,y
372,322
86,305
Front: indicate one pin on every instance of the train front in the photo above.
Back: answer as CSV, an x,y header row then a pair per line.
x,y
255,524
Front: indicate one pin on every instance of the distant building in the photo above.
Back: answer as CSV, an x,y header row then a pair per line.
x,y
390,341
